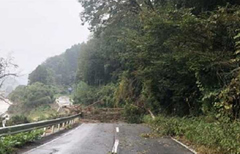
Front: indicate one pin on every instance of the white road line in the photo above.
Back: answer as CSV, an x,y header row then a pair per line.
x,y
193,151
116,143
52,140
115,147
117,129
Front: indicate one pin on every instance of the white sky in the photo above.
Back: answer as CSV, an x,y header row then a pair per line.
x,y
33,30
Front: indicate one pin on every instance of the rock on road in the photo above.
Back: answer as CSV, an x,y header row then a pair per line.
x,y
100,138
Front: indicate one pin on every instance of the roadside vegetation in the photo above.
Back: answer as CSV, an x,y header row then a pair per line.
x,y
171,57
33,102
9,144
205,134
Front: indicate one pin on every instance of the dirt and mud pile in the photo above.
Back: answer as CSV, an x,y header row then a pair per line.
x,y
104,115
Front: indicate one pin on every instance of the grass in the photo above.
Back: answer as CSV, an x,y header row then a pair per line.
x,y
206,137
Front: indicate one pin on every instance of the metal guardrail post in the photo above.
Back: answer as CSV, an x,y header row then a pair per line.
x,y
52,129
58,127
44,131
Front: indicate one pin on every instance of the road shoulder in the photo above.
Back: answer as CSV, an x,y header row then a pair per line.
x,y
132,142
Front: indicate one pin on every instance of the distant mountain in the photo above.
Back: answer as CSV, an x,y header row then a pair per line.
x,y
59,70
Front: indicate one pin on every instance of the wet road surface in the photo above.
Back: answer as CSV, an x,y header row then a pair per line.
x,y
100,138
131,142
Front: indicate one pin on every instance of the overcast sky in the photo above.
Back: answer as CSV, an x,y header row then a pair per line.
x,y
33,30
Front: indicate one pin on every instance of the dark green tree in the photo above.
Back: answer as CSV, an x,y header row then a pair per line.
x,y
171,56
41,74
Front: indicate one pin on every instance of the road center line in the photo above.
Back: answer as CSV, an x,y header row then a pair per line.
x,y
116,142
117,129
115,146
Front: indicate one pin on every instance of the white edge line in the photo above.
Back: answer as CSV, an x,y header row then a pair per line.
x,y
52,140
193,151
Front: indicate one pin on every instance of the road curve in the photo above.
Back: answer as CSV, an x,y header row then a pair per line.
x,y
100,138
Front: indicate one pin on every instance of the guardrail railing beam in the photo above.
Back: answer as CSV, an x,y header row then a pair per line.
x,y
39,125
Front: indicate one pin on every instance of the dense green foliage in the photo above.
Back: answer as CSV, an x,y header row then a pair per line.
x,y
31,97
211,137
174,57
132,113
41,74
9,144
18,119
86,95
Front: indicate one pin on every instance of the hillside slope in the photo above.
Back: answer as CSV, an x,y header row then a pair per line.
x,y
59,70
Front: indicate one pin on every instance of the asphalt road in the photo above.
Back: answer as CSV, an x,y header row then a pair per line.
x,y
100,138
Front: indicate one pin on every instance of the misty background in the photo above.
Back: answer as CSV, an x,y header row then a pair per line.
x,y
33,30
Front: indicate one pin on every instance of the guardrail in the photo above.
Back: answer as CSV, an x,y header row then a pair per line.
x,y
60,122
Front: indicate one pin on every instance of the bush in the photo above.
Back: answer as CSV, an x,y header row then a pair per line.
x,y
9,143
106,95
87,95
223,138
84,94
133,114
18,119
27,98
